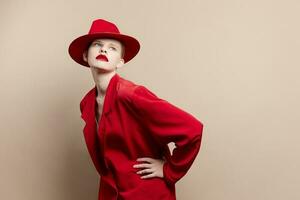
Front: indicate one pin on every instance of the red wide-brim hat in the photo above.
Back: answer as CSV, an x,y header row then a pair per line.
x,y
103,29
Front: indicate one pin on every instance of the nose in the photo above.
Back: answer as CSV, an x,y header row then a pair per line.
x,y
103,50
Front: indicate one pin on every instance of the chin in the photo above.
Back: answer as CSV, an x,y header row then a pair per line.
x,y
102,68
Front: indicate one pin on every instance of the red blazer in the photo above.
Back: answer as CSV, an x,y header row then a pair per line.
x,y
136,123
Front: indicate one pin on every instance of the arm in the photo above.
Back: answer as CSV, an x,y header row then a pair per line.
x,y
169,123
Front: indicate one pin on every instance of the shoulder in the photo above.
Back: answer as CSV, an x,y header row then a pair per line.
x,y
125,89
128,90
85,98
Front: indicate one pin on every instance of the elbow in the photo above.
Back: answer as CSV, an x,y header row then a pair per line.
x,y
197,129
191,134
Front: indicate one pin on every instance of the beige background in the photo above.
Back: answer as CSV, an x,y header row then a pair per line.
x,y
232,64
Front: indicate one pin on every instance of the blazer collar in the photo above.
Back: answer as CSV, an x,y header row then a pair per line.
x,y
109,99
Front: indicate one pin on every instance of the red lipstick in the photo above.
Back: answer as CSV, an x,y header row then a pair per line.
x,y
102,57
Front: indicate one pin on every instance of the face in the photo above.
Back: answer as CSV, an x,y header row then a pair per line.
x,y
105,54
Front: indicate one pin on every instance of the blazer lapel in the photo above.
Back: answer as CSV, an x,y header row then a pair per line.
x,y
88,115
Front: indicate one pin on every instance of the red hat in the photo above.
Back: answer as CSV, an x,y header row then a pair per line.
x,y
103,29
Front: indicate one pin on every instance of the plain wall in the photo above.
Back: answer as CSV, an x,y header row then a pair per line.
x,y
232,64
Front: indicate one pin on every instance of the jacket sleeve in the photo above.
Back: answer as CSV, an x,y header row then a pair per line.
x,y
81,105
169,123
83,102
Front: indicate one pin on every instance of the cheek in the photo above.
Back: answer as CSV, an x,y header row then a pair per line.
x,y
114,60
115,57
92,53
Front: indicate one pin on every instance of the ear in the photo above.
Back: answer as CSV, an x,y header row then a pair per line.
x,y
84,56
120,64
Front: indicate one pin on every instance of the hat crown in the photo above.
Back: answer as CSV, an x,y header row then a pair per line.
x,y
103,26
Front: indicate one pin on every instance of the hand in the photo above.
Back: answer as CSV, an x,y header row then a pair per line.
x,y
153,166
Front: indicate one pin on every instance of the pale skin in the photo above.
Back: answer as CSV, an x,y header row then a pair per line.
x,y
103,71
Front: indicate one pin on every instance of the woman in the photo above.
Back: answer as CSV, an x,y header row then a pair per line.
x,y
128,128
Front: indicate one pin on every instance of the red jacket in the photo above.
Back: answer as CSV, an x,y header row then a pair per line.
x,y
136,123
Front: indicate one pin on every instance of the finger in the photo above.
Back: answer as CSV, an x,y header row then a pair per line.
x,y
143,165
148,176
145,171
146,159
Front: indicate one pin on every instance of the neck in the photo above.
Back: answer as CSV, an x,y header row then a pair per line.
x,y
101,80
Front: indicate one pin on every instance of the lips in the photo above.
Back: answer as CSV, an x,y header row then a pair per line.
x,y
102,57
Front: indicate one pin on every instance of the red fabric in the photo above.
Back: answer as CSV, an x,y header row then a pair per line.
x,y
136,123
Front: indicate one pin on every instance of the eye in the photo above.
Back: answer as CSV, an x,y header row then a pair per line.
x,y
113,48
97,44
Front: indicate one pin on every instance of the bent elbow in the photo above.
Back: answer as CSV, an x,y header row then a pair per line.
x,y
197,129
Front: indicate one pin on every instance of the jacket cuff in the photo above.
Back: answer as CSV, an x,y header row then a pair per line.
x,y
167,178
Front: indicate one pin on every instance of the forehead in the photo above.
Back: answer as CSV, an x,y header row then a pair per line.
x,y
108,40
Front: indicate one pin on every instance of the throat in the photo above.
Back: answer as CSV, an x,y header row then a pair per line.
x,y
99,109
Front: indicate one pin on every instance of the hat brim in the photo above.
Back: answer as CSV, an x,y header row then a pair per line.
x,y
80,44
